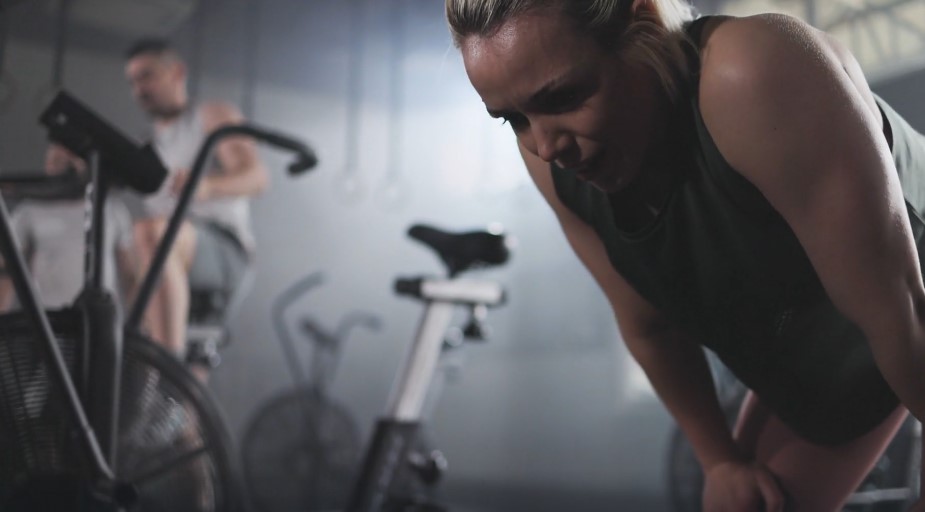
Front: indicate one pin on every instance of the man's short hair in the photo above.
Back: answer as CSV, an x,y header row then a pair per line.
x,y
151,46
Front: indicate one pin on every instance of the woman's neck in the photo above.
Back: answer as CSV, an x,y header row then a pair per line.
x,y
641,202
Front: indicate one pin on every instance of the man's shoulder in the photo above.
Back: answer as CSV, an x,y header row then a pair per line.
x,y
214,113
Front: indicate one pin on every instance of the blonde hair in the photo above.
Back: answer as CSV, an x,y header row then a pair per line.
x,y
655,39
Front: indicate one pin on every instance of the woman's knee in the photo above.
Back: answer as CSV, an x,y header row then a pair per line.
x,y
822,478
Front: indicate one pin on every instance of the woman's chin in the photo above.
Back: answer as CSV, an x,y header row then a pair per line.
x,y
610,184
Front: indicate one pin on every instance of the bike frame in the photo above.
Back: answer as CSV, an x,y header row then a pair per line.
x,y
396,430
99,454
92,404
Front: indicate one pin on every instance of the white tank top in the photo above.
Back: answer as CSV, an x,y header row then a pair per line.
x,y
177,145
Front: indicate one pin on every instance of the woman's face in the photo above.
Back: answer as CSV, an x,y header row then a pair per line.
x,y
567,98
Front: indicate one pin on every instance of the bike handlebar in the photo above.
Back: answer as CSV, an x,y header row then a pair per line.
x,y
305,160
305,157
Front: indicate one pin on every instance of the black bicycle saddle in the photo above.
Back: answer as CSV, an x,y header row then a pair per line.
x,y
463,251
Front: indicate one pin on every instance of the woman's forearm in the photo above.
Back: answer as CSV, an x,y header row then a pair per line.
x,y
680,375
900,355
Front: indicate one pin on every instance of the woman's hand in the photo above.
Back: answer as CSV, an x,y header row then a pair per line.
x,y
742,487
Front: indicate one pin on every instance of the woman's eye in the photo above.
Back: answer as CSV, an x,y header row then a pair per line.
x,y
517,121
565,100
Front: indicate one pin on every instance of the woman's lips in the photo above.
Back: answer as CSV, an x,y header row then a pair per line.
x,y
586,170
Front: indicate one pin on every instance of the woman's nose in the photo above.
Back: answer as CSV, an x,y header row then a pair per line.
x,y
550,143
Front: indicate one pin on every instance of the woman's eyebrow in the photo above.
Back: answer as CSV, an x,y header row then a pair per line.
x,y
541,96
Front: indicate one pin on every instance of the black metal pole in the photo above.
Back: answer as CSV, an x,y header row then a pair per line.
x,y
103,351
95,233
385,456
98,225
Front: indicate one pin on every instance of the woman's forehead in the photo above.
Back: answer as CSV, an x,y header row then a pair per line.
x,y
525,52
537,27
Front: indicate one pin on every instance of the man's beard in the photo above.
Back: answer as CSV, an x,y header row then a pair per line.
x,y
163,113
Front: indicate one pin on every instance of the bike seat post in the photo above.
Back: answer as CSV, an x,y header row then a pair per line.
x,y
440,297
410,389
394,433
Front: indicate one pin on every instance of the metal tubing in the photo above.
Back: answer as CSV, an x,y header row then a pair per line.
x,y
412,383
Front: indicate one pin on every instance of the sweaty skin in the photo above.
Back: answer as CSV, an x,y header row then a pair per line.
x,y
789,109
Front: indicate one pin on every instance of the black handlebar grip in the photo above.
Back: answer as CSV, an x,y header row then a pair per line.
x,y
305,157
279,140
305,162
406,286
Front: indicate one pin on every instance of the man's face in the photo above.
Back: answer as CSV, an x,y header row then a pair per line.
x,y
157,83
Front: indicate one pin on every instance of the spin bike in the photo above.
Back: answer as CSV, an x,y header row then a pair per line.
x,y
393,475
93,415
299,449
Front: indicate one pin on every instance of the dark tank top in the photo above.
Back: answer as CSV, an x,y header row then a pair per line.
x,y
722,264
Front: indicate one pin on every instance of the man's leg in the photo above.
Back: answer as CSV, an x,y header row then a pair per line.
x,y
816,478
166,316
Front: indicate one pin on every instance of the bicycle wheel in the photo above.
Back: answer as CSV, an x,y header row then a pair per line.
x,y
34,431
173,445
300,452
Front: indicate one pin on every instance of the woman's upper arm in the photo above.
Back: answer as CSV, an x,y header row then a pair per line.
x,y
785,112
636,317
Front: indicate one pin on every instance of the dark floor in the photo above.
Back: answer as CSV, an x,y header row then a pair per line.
x,y
471,496
496,497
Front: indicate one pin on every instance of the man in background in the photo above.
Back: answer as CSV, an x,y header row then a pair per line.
x,y
216,243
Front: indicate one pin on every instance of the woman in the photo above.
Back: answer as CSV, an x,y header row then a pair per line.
x,y
730,183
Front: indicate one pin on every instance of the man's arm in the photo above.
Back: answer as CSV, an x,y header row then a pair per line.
x,y
243,174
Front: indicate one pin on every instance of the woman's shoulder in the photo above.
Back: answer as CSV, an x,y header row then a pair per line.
x,y
759,47
751,66
763,67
